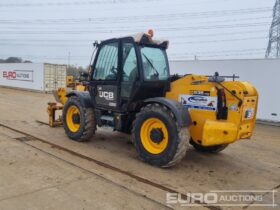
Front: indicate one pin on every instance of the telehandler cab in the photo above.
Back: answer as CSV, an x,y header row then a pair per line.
x,y
129,88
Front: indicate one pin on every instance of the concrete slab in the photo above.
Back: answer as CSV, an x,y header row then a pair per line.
x,y
246,165
31,179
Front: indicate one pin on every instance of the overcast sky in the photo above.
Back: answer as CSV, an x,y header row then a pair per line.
x,y
56,30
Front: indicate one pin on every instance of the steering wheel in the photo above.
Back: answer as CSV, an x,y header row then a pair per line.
x,y
114,70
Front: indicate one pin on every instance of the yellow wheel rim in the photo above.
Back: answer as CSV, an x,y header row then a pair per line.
x,y
73,127
145,135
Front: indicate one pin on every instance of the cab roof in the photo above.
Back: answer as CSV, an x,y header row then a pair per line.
x,y
144,38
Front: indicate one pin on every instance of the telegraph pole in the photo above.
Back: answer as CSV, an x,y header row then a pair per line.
x,y
69,55
273,48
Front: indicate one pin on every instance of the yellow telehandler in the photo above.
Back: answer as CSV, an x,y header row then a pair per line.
x,y
130,89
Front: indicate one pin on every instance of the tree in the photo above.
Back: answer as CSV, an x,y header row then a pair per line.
x,y
14,60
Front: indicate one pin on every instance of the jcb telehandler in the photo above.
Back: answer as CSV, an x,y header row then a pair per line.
x,y
129,88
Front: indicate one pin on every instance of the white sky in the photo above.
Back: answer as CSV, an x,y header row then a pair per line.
x,y
50,30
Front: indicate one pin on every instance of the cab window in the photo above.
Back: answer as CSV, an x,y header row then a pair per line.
x,y
155,64
106,67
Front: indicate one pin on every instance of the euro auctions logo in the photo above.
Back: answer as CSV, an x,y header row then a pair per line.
x,y
9,74
227,198
21,75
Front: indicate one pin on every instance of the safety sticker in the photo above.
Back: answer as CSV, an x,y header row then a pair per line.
x,y
233,107
199,102
249,113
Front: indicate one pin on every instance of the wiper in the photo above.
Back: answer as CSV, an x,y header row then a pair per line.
x,y
156,74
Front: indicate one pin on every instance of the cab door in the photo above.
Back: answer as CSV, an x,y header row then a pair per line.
x,y
130,71
105,79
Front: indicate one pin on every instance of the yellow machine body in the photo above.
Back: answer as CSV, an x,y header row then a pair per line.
x,y
61,99
70,81
206,128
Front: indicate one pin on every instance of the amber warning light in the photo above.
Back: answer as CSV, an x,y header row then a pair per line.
x,y
151,32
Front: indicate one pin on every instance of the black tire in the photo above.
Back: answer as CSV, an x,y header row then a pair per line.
x,y
177,137
87,121
210,149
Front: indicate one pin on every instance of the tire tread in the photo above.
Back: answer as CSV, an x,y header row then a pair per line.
x,y
183,134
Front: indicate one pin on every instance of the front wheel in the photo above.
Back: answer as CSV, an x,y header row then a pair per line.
x,y
157,137
209,149
78,121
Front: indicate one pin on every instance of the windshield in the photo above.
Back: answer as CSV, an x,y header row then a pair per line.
x,y
155,64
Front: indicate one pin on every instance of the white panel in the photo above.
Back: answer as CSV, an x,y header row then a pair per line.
x,y
22,75
263,74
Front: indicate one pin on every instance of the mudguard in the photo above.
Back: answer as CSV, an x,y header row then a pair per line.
x,y
83,96
181,112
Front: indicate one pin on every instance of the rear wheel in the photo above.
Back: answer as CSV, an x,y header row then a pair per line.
x,y
78,121
157,137
209,149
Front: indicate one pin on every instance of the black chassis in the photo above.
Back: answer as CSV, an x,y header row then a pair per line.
x,y
142,93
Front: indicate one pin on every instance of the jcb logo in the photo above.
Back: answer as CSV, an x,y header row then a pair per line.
x,y
107,95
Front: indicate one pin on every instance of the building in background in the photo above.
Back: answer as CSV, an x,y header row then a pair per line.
x,y
264,74
33,76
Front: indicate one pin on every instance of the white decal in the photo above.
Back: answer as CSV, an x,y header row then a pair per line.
x,y
249,113
107,95
22,75
199,102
